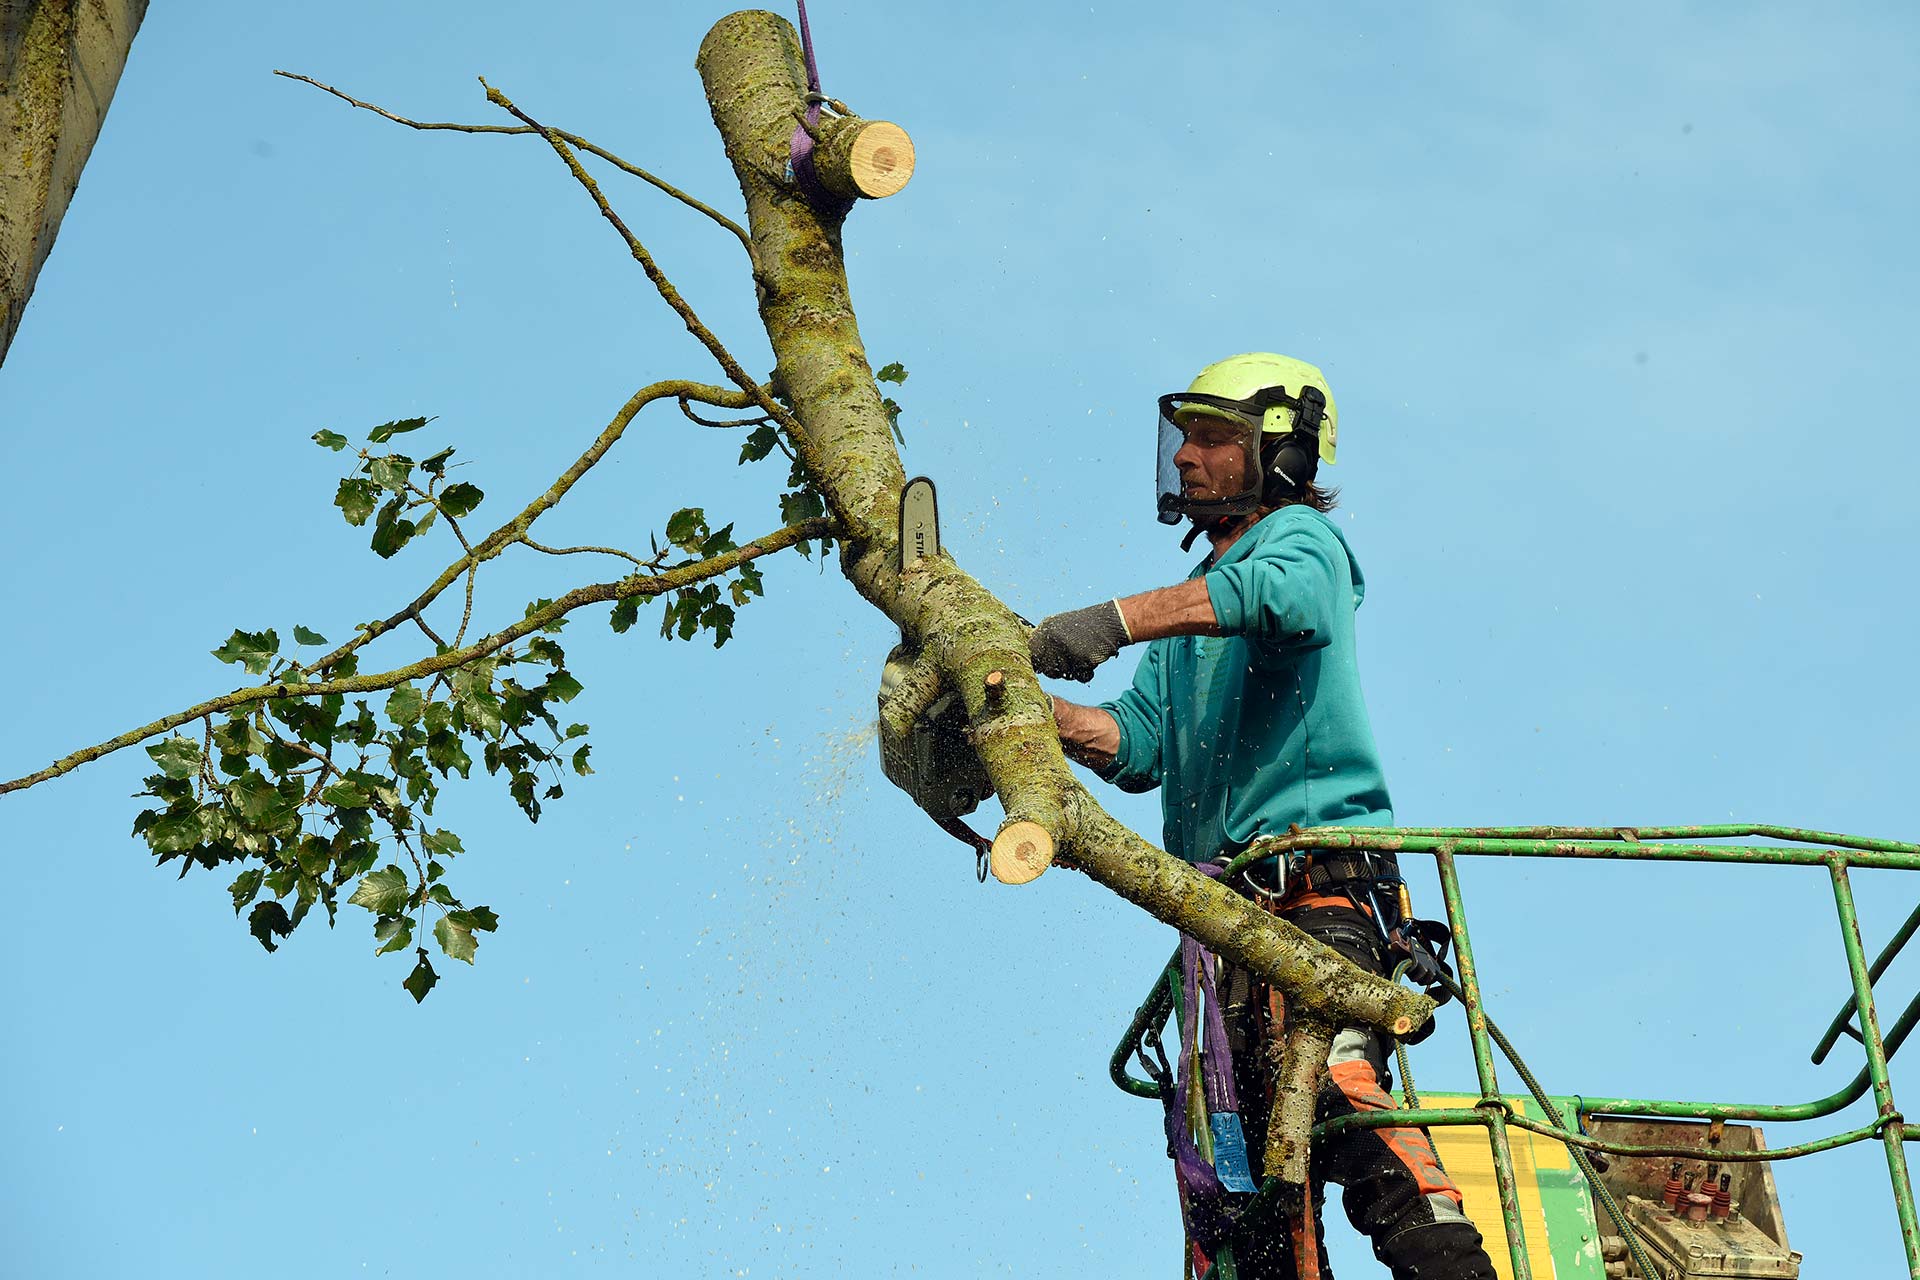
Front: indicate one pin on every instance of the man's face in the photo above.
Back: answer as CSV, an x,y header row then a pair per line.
x,y
1213,461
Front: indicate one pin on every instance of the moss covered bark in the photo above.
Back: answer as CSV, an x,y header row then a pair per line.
x,y
750,65
1299,1059
60,61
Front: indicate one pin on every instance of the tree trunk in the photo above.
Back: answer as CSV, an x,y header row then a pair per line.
x,y
60,61
751,66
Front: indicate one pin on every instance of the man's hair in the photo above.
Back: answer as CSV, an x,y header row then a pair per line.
x,y
1321,500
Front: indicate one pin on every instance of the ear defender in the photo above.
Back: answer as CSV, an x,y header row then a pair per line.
x,y
1293,459
1294,462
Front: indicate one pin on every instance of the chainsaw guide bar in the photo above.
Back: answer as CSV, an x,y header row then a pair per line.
x,y
919,522
934,763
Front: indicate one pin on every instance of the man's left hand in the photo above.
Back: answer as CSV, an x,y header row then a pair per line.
x,y
1070,645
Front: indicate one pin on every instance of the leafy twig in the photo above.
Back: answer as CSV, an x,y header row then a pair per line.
x,y
633,585
509,533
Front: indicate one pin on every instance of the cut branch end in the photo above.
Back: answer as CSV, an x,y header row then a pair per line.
x,y
1022,851
863,159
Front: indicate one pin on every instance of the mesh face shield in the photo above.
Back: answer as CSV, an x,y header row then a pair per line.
x,y
1223,476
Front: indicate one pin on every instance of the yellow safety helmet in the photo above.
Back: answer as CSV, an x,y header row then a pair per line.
x,y
1282,414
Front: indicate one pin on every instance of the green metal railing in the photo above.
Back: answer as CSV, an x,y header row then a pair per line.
x,y
1495,1112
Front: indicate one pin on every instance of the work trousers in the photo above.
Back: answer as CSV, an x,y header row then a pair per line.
x,y
1392,1185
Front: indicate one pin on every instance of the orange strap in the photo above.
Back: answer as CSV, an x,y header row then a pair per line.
x,y
1303,898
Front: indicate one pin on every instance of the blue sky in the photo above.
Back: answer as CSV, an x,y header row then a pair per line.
x,y
1618,305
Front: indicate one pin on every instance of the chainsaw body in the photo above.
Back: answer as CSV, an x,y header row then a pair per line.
x,y
933,762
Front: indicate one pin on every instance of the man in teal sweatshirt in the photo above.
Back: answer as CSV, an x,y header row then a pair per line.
x,y
1246,712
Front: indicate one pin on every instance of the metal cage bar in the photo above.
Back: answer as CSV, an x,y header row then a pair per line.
x,y
1893,1130
1493,1109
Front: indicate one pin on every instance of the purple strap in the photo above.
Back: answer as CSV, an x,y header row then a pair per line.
x,y
1206,1203
1204,1200
1216,1067
806,47
800,149
1216,1072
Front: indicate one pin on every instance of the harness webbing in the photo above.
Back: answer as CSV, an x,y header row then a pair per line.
x,y
800,149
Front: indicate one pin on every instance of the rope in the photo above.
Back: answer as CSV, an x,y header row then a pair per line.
x,y
1580,1158
806,47
1407,1091
800,148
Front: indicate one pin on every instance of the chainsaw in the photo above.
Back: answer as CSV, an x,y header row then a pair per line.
x,y
933,761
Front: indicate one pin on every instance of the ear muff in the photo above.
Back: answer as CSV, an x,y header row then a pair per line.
x,y
1291,462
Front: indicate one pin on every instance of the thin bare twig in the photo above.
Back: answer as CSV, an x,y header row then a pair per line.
x,y
421,622
322,768
541,755
668,188
206,780
319,783
604,551
663,286
473,565
687,409
261,718
466,614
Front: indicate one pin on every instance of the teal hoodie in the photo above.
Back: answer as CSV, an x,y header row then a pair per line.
x,y
1264,725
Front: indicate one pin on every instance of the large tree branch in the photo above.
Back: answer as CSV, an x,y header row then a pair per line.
x,y
750,65
644,586
572,139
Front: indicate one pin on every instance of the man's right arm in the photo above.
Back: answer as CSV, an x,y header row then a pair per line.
x,y
1089,735
1120,740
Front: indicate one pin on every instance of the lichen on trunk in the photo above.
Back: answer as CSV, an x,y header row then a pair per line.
x,y
60,61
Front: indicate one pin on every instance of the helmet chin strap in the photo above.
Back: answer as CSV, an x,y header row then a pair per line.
x,y
1216,524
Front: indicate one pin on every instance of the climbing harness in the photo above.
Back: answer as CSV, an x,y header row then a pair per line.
x,y
1421,947
1200,1103
1219,1200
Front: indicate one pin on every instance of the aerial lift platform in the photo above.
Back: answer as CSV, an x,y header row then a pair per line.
x,y
1588,1186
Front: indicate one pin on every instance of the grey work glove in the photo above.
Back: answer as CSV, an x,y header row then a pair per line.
x,y
1070,645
